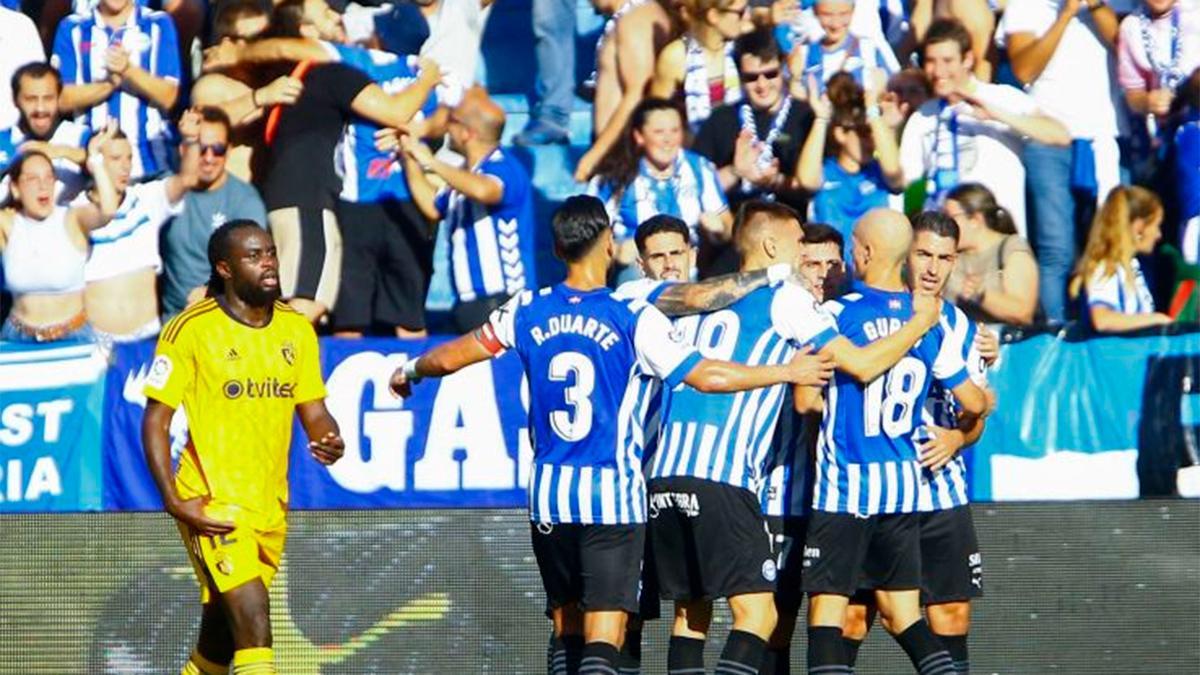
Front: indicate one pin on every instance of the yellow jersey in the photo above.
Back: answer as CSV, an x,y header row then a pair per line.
x,y
240,386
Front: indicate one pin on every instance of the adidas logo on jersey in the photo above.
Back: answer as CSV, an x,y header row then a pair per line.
x,y
231,354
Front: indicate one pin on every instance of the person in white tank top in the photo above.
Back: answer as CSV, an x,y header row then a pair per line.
x,y
121,295
44,247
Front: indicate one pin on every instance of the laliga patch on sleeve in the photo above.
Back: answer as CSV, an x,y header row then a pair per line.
x,y
160,372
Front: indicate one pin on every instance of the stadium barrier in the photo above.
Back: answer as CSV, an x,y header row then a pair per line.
x,y
1102,418
1097,587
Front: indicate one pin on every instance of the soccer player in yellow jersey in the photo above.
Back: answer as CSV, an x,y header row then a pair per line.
x,y
241,363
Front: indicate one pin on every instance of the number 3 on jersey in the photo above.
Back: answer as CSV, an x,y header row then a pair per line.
x,y
573,425
889,401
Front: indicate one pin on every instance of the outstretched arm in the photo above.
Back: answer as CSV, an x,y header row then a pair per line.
x,y
718,292
444,359
867,363
805,368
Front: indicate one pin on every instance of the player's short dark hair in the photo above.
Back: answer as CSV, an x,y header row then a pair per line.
x,y
754,209
36,71
577,225
220,245
760,43
936,222
820,233
947,30
658,225
214,115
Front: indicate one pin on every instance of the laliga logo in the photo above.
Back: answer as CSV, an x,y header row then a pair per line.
x,y
461,435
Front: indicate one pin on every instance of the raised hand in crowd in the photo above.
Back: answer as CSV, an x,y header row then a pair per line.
x,y
987,343
746,151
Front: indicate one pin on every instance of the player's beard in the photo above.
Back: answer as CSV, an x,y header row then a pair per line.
x,y
257,296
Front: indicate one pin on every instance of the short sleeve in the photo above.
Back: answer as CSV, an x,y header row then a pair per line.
x,y
504,172
173,371
340,83
167,64
659,350
309,385
949,368
912,147
1104,290
797,315
499,332
645,289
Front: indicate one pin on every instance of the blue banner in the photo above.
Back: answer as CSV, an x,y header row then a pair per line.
x,y
1109,417
459,441
50,409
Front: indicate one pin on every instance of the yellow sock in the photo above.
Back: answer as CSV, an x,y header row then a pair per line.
x,y
256,661
198,665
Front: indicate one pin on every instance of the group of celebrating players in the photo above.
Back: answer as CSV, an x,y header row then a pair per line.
x,y
674,454
783,433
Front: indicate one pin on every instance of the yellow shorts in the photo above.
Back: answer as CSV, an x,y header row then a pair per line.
x,y
230,560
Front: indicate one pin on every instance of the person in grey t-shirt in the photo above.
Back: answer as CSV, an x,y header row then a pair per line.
x,y
218,198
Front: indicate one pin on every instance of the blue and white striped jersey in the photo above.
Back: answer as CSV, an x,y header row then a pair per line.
x,y
691,190
149,37
368,175
867,452
947,488
788,490
491,247
1118,292
855,56
725,438
69,174
585,354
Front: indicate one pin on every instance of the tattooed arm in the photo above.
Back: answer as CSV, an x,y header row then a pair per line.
x,y
717,292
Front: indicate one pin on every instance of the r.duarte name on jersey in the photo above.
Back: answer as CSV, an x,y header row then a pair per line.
x,y
576,324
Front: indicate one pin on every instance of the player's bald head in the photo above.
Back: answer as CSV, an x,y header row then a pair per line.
x,y
763,225
479,113
885,234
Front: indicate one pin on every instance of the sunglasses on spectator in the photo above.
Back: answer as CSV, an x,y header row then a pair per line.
x,y
217,149
770,74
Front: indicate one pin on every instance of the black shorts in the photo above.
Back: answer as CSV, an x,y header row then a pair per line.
x,y
951,567
597,566
844,552
710,540
387,261
309,242
787,533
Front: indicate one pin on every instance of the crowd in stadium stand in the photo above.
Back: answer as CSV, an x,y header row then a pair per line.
x,y
1062,135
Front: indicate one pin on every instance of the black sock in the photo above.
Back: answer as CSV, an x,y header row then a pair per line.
x,y
599,658
826,655
630,662
923,649
776,661
957,646
850,646
556,656
685,656
743,653
573,647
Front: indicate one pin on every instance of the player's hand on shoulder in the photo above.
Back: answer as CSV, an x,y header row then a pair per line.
x,y
327,449
190,512
942,446
809,369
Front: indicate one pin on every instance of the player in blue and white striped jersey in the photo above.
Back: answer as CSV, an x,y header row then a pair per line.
x,y
121,62
585,352
787,493
864,530
951,567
